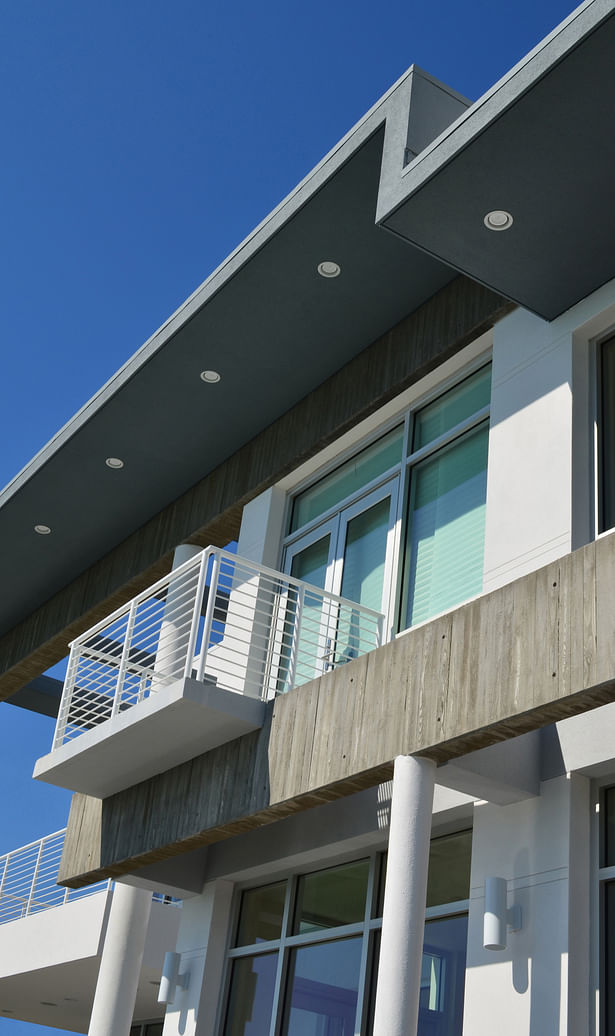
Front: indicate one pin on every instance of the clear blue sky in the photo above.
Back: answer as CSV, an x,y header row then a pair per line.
x,y
141,143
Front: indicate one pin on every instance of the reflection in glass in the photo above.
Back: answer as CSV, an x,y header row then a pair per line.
x,y
455,406
305,645
260,915
331,897
450,857
349,478
251,995
442,978
323,989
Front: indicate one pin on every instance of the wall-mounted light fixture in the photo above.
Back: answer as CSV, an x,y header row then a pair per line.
x,y
171,978
498,917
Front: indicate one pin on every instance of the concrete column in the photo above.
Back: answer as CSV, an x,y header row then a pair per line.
x,y
120,966
403,920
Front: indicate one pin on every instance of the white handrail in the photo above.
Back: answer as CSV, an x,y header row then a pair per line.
x,y
218,618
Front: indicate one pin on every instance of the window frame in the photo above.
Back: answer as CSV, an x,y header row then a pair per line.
x,y
283,946
401,473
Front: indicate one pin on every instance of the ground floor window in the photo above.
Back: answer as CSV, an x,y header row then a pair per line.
x,y
606,877
305,954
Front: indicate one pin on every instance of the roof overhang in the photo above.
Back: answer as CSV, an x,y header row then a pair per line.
x,y
540,146
265,320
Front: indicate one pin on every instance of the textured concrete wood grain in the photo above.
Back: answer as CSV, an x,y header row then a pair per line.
x,y
537,650
210,512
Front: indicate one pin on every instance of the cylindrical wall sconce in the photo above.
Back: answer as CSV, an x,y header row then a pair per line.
x,y
497,917
171,978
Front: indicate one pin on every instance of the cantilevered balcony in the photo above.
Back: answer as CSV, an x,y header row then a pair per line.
x,y
51,940
189,664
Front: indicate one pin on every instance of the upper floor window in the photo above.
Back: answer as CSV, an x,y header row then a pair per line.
x,y
606,437
399,527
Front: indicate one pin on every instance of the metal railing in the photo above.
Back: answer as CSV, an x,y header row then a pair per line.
x,y
220,619
28,879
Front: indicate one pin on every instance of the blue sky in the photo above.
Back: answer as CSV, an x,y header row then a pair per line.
x,y
141,143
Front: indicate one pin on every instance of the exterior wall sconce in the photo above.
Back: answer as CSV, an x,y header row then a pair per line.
x,y
171,978
498,917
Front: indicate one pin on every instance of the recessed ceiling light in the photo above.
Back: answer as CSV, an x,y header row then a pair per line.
x,y
114,462
329,268
210,377
42,530
498,219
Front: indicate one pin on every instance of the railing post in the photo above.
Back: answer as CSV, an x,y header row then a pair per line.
x,y
4,872
67,697
294,644
209,613
124,659
196,614
34,877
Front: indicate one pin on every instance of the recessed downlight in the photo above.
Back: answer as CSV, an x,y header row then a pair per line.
x,y
42,530
114,462
498,219
210,377
329,268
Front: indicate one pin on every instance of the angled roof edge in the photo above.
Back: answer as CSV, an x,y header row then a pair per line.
x,y
504,93
393,106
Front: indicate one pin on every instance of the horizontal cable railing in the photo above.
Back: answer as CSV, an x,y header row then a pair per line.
x,y
28,880
220,619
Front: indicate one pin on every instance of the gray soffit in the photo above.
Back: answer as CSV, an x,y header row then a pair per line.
x,y
265,320
539,145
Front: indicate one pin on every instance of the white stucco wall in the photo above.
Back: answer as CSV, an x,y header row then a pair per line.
x,y
201,942
541,483
539,983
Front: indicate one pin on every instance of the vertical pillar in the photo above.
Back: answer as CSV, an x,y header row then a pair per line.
x,y
403,919
120,965
175,626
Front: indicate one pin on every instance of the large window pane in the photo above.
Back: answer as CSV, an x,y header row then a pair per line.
x,y
251,995
450,409
364,555
446,527
331,897
260,914
443,977
323,988
349,478
306,645
449,868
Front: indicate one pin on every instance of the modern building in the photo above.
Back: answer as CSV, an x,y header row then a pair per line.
x,y
372,748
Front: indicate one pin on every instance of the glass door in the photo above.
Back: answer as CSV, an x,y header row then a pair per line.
x,y
351,556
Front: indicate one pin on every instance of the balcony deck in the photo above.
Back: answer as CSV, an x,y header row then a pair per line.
x,y
188,665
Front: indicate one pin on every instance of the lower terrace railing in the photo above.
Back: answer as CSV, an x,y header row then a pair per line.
x,y
28,879
220,619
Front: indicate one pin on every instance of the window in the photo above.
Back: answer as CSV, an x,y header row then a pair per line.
x,y
427,475
305,951
606,878
606,437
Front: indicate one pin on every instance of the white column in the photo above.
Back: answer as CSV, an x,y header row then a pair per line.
x,y
403,920
120,965
173,639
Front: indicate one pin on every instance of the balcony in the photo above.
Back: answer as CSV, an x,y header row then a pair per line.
x,y
189,664
51,940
